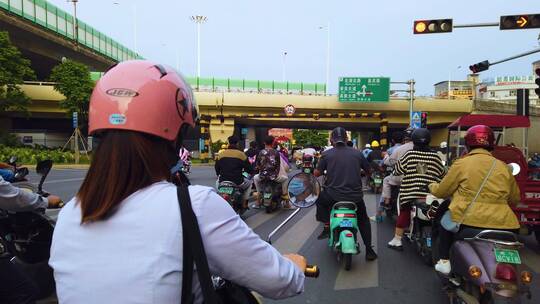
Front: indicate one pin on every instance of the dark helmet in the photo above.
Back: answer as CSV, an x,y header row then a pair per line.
x,y
480,136
407,134
338,135
421,137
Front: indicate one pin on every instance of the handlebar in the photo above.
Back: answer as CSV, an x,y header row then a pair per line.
x,y
312,271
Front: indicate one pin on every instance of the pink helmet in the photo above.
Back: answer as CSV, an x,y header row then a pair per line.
x,y
142,96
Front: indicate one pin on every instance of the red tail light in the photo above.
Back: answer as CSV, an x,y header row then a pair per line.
x,y
505,272
225,196
348,234
348,215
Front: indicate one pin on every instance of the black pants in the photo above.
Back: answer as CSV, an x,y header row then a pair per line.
x,y
324,206
446,238
15,286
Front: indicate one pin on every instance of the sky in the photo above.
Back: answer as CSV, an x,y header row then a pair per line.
x,y
247,39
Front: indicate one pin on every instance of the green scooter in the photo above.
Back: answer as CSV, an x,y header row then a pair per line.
x,y
343,231
304,190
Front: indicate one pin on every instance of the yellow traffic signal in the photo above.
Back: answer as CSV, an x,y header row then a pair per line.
x,y
433,26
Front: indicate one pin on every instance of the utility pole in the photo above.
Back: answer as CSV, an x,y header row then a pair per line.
x,y
411,100
75,23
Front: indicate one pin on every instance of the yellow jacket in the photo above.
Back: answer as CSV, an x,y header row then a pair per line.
x,y
491,209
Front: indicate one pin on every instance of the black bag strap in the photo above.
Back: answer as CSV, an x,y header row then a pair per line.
x,y
193,251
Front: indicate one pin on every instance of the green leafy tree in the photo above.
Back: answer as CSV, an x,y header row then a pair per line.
x,y
14,69
316,138
73,80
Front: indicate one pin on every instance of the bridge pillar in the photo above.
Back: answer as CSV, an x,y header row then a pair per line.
x,y
204,144
221,129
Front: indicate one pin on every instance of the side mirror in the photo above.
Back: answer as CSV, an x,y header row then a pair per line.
x,y
12,159
515,168
304,189
43,167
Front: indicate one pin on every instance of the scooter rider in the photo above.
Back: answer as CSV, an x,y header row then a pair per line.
x,y
269,165
229,166
491,208
343,183
390,161
7,172
120,240
420,167
16,287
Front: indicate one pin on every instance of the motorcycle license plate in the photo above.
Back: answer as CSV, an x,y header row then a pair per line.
x,y
345,224
226,190
267,195
378,181
509,256
307,170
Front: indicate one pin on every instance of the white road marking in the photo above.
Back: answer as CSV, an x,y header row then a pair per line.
x,y
260,218
56,181
296,236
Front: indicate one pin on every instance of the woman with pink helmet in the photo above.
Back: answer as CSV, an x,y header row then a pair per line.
x,y
120,240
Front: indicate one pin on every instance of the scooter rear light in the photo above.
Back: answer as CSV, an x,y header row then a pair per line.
x,y
225,196
349,215
349,235
475,272
526,277
505,272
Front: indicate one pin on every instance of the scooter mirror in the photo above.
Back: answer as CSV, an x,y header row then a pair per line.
x,y
43,167
515,168
304,189
12,159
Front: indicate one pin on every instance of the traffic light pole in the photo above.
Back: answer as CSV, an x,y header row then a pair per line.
x,y
515,57
490,24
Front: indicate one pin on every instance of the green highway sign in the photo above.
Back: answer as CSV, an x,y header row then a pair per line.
x,y
364,89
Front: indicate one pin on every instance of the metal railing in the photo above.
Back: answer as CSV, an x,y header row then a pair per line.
x,y
48,16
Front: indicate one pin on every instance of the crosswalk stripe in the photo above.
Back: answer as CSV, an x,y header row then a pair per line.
x,y
260,218
363,274
296,236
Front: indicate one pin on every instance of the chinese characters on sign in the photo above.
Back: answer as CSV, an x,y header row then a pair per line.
x,y
364,89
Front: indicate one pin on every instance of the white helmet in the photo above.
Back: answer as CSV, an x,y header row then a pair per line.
x,y
368,146
444,145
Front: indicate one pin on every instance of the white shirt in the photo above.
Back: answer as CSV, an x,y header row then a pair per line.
x,y
12,198
136,255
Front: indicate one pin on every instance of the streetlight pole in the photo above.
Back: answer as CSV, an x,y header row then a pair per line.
x,y
283,67
198,19
75,23
134,7
327,56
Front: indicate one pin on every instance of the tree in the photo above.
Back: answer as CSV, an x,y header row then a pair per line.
x,y
14,69
316,138
73,80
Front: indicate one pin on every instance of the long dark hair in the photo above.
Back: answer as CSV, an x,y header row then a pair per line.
x,y
123,163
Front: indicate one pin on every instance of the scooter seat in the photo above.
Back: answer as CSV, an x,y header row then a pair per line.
x,y
344,205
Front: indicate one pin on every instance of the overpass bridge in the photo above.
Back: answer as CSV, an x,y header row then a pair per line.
x,y
224,113
45,33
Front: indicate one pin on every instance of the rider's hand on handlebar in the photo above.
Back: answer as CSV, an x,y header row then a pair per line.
x,y
55,201
297,259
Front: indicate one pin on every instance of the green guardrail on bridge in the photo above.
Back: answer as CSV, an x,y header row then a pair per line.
x,y
48,16
244,85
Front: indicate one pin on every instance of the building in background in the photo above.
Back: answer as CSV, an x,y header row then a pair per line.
x,y
504,88
459,89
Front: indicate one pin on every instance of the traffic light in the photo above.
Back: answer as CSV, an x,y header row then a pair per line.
x,y
518,22
432,26
479,67
537,81
423,120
